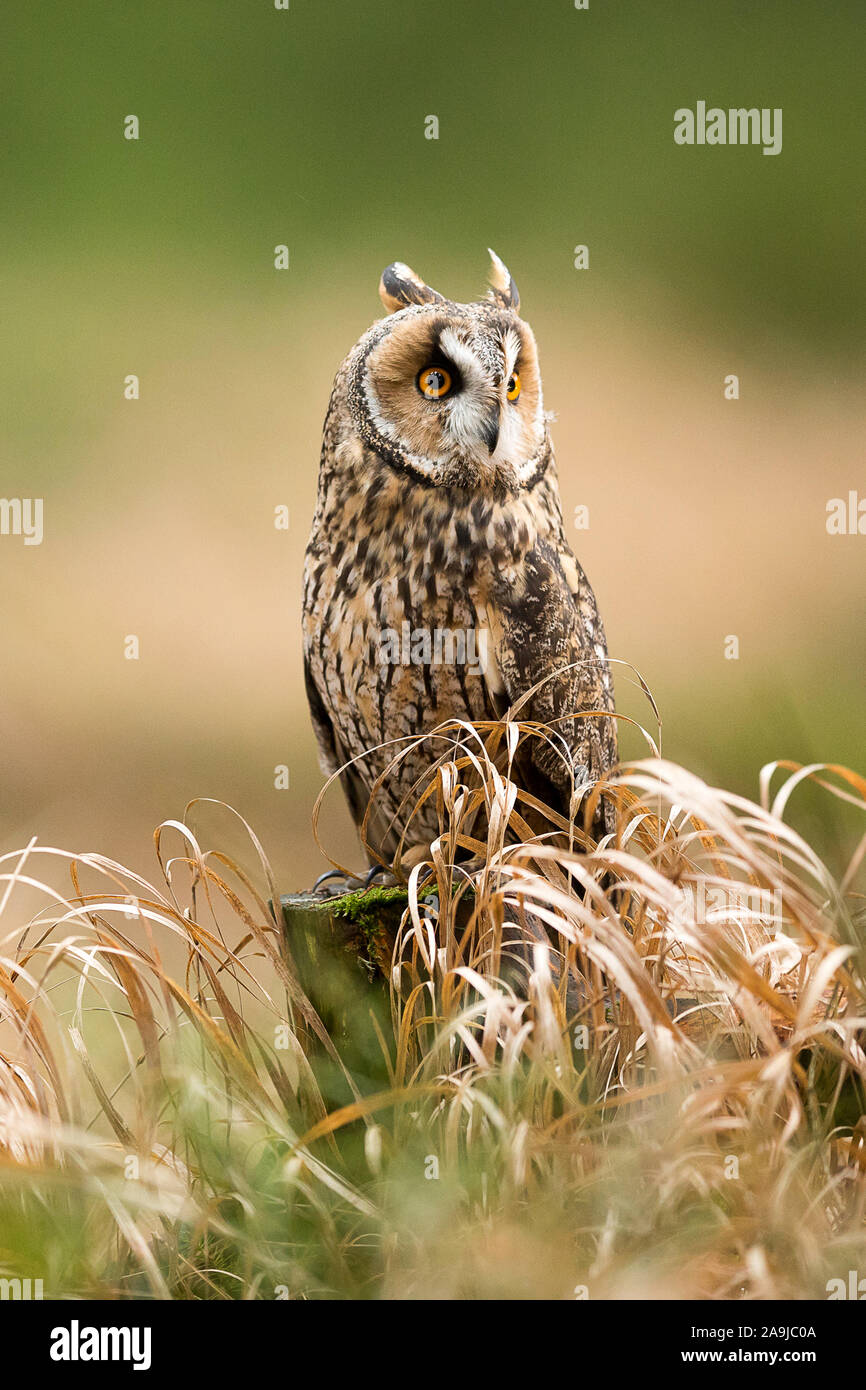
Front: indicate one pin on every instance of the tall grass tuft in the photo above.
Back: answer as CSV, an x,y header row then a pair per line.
x,y
625,1068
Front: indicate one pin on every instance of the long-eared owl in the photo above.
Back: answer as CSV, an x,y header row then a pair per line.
x,y
438,583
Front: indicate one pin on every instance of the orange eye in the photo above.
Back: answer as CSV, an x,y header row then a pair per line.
x,y
513,388
434,383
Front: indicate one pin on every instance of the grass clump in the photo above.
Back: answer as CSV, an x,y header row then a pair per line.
x,y
631,1067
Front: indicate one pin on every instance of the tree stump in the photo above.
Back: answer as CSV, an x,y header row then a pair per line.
x,y
341,948
360,926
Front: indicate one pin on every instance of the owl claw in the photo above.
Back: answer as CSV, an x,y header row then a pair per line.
x,y
376,871
335,884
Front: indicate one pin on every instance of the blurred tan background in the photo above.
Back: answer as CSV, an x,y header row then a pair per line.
x,y
306,127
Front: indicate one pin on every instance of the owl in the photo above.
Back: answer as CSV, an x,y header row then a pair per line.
x,y
438,583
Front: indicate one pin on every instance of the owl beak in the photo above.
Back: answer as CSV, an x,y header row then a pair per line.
x,y
490,429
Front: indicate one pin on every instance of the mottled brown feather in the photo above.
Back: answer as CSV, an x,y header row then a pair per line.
x,y
416,525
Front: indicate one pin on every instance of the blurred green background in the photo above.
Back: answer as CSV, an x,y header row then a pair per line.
x,y
306,127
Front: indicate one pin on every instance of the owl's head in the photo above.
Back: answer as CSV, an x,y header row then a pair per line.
x,y
450,392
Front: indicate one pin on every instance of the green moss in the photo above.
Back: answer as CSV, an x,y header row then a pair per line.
x,y
357,907
375,912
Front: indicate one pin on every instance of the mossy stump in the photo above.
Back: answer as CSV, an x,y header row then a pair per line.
x,y
360,926
342,948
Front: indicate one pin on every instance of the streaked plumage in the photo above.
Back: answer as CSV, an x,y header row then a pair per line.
x,y
444,514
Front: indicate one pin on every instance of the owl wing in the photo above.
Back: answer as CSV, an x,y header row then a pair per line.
x,y
331,757
334,758
546,628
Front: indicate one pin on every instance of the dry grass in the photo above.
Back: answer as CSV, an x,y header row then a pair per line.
x,y
631,1068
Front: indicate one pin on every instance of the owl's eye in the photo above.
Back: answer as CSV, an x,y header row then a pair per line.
x,y
513,388
434,382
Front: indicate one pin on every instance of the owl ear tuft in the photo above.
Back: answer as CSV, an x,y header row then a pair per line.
x,y
400,286
503,290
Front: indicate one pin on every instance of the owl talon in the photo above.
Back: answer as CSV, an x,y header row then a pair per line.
x,y
335,884
376,871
